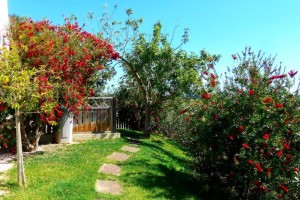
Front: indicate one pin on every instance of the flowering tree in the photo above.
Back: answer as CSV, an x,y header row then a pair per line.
x,y
245,137
49,70
66,61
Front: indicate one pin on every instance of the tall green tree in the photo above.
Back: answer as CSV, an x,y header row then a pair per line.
x,y
159,70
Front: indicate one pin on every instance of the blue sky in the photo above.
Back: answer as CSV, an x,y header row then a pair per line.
x,y
220,26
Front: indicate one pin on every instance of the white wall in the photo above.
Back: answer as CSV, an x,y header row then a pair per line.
x,y
3,20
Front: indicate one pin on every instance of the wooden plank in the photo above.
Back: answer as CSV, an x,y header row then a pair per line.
x,y
80,126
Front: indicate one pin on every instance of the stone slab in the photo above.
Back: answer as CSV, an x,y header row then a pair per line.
x,y
108,187
3,192
118,156
130,149
5,167
110,169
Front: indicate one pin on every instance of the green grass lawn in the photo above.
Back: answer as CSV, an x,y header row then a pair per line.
x,y
160,170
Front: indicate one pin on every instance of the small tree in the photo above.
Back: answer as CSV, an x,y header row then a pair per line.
x,y
19,90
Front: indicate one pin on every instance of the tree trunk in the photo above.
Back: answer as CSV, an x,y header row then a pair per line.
x,y
20,163
147,127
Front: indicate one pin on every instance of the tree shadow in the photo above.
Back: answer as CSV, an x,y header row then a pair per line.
x,y
173,184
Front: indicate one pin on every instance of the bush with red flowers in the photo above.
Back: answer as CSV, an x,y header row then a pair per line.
x,y
245,135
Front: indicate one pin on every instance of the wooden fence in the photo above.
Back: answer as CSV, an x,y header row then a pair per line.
x,y
99,117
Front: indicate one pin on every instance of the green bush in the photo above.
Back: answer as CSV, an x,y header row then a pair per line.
x,y
244,134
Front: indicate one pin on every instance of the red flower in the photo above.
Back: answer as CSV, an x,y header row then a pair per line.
x,y
269,170
2,107
267,100
216,117
205,72
279,153
256,182
266,136
286,146
284,188
188,119
241,128
183,111
251,92
115,56
250,162
296,170
258,167
292,73
230,137
246,146
278,105
206,96
277,76
30,34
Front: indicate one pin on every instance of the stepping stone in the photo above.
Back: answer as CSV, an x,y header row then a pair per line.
x,y
3,192
108,187
5,167
130,149
110,169
118,156
133,141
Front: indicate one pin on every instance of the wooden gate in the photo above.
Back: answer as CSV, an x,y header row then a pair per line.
x,y
98,118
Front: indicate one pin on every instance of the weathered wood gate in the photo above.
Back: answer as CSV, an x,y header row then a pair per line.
x,y
99,117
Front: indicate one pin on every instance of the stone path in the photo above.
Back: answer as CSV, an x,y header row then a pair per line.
x,y
6,160
110,169
108,186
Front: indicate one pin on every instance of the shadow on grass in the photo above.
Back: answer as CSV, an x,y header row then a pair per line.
x,y
165,182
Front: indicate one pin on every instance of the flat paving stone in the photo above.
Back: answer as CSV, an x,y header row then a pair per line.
x,y
118,156
130,149
3,192
108,187
5,167
110,169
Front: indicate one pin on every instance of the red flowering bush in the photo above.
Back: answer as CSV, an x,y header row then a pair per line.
x,y
63,63
245,135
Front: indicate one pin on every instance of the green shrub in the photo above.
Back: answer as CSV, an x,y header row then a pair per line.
x,y
245,136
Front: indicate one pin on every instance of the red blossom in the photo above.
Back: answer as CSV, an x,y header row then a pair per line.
x,y
246,146
206,96
233,56
277,77
188,119
183,111
286,146
269,171
251,92
2,107
292,73
296,170
279,153
258,167
284,188
278,105
230,137
267,100
205,72
241,128
216,117
250,162
266,136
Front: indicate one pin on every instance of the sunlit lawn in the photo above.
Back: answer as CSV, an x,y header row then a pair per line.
x,y
160,170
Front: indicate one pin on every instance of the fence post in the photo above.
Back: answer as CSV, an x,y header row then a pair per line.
x,y
114,109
